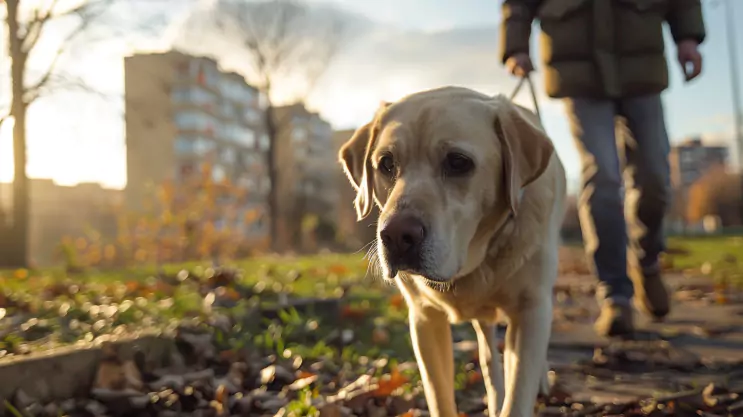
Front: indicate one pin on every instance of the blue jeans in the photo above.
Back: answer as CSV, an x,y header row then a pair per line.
x,y
616,233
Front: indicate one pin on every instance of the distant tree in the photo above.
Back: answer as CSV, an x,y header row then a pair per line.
x,y
284,42
26,25
718,193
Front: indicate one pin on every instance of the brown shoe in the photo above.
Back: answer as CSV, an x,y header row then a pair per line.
x,y
651,295
616,319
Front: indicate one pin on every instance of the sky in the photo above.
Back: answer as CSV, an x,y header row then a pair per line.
x,y
406,46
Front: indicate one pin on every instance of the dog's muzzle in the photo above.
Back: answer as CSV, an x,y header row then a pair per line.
x,y
402,239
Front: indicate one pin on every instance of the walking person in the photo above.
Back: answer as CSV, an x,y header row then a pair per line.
x,y
605,59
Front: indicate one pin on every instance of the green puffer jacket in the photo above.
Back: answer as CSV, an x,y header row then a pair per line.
x,y
601,48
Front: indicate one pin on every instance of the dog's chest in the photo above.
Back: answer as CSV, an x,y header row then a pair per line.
x,y
467,301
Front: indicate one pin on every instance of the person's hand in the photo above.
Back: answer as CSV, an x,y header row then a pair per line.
x,y
519,64
688,55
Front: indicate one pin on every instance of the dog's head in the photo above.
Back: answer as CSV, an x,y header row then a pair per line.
x,y
446,167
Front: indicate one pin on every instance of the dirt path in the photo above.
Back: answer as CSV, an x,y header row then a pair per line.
x,y
701,342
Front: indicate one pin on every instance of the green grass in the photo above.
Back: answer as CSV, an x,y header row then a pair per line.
x,y
58,304
64,307
320,275
331,270
704,249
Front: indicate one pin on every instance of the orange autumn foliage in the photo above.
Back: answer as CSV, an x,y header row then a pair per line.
x,y
390,384
474,377
397,301
196,219
354,313
339,269
305,374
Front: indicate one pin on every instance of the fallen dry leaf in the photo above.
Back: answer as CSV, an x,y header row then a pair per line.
x,y
474,377
380,336
389,384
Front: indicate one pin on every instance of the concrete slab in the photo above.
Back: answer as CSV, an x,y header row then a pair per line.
x,y
69,372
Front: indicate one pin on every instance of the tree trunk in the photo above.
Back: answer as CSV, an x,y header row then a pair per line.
x,y
18,108
273,192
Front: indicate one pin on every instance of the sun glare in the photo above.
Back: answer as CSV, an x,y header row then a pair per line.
x,y
6,150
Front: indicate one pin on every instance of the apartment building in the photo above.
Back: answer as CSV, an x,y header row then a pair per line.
x,y
691,158
184,115
307,161
689,161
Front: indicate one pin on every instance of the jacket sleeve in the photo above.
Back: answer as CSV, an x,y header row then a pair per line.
x,y
516,20
686,21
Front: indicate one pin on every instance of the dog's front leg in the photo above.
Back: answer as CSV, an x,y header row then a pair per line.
x,y
527,341
490,362
432,342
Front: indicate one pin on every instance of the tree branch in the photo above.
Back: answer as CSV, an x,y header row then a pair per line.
x,y
33,92
3,118
36,26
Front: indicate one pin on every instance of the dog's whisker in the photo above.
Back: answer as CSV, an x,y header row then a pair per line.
x,y
364,248
373,267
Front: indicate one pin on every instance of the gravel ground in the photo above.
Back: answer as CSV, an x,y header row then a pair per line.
x,y
231,363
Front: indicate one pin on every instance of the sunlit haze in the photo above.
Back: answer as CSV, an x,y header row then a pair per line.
x,y
404,46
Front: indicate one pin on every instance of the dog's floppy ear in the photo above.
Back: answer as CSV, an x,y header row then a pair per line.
x,y
351,155
527,150
355,156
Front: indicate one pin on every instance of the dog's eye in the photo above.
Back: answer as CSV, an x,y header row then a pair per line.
x,y
457,164
387,165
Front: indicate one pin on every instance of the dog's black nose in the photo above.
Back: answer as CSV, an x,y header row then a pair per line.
x,y
402,237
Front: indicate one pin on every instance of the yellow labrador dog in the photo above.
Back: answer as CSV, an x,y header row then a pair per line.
x,y
471,195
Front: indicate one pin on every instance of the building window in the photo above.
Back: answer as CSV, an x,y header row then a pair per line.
x,y
249,159
689,177
687,157
235,90
263,142
184,145
207,73
246,182
180,95
228,156
233,133
189,145
204,146
321,129
194,120
225,108
299,135
246,137
252,115
249,95
192,95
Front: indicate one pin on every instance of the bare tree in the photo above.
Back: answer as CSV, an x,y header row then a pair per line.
x,y
718,193
25,28
282,40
